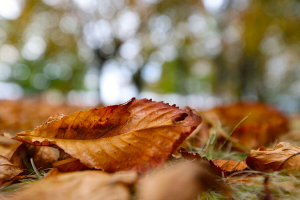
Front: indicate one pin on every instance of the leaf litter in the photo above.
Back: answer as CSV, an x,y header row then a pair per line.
x,y
236,179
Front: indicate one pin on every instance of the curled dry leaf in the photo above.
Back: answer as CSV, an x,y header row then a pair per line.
x,y
284,156
138,135
43,157
89,185
180,182
263,125
7,170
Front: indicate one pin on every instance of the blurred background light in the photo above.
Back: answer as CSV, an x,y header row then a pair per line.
x,y
10,9
21,72
9,54
197,53
34,48
213,5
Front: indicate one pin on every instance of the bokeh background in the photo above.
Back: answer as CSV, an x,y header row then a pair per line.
x,y
192,52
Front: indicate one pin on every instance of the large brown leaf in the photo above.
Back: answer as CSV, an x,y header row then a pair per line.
x,y
138,135
7,170
284,156
89,185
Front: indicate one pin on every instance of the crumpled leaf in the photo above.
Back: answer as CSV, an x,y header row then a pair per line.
x,y
43,157
180,182
89,185
284,156
138,135
7,170
263,125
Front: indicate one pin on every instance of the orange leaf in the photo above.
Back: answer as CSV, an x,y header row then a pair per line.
x,y
27,113
138,135
81,185
69,165
284,156
216,166
7,170
263,125
227,167
188,155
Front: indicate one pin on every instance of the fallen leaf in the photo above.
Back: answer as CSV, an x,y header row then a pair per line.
x,y
263,125
218,167
90,185
15,179
28,113
69,165
52,172
43,157
188,155
284,156
7,170
180,182
139,135
227,167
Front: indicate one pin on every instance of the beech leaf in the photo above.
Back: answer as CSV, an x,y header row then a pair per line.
x,y
7,170
226,167
264,125
138,135
284,156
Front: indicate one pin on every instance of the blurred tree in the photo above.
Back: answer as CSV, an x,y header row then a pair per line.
x,y
237,48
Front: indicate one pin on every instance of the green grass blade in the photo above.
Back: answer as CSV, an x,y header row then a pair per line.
x,y
231,134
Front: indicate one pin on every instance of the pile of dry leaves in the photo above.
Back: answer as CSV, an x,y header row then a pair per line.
x,y
121,152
